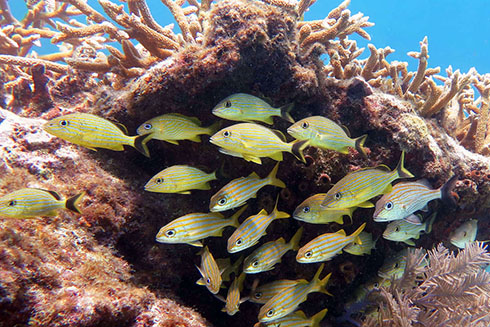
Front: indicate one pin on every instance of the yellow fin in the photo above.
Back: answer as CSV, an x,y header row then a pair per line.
x,y
172,142
366,204
184,192
341,232
196,138
252,158
195,243
277,156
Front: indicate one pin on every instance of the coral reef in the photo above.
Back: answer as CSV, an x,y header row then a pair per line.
x,y
75,270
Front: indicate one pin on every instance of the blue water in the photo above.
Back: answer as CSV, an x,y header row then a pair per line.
x,y
458,31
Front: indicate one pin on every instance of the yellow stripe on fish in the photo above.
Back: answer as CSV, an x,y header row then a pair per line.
x,y
407,197
246,107
34,202
327,246
233,299
288,299
211,275
180,179
403,231
239,190
264,293
367,244
252,229
194,227
253,141
92,132
175,127
326,134
296,319
311,211
356,188
265,257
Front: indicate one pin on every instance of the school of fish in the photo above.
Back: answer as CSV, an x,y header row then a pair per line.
x,y
403,205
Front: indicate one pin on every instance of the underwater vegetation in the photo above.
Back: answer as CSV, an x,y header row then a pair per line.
x,y
154,88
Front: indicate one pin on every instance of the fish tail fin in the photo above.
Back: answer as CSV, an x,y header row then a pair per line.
x,y
320,284
241,279
297,149
294,242
285,112
140,143
401,170
279,214
447,195
210,130
359,142
73,202
358,231
315,320
273,180
428,228
237,215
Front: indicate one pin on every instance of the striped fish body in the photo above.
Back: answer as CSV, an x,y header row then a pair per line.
x,y
252,229
265,257
288,299
180,179
394,266
356,188
403,231
325,134
175,127
367,244
34,202
296,319
373,284
246,107
264,293
211,275
92,132
404,199
311,211
240,190
464,234
194,227
327,246
253,141
233,299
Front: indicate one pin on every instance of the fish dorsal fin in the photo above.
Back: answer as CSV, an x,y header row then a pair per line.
x,y
53,193
341,232
195,120
383,167
279,134
346,130
121,127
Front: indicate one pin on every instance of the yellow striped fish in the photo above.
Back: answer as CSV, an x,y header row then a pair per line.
x,y
253,141
239,190
233,299
367,244
288,299
211,275
194,227
394,266
403,231
35,202
311,211
464,234
180,179
252,229
356,188
296,319
327,246
326,134
264,293
265,257
407,197
246,107
92,132
175,127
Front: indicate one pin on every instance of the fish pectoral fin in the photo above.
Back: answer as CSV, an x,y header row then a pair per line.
x,y
366,204
409,242
252,158
172,142
230,153
277,156
196,243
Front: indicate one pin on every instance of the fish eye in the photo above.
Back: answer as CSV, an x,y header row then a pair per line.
x,y
238,242
12,203
258,295
64,122
226,133
159,180
222,202
397,265
397,229
308,254
464,234
170,233
306,209
389,205
208,281
228,104
147,126
255,263
376,285
338,196
270,313
305,125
